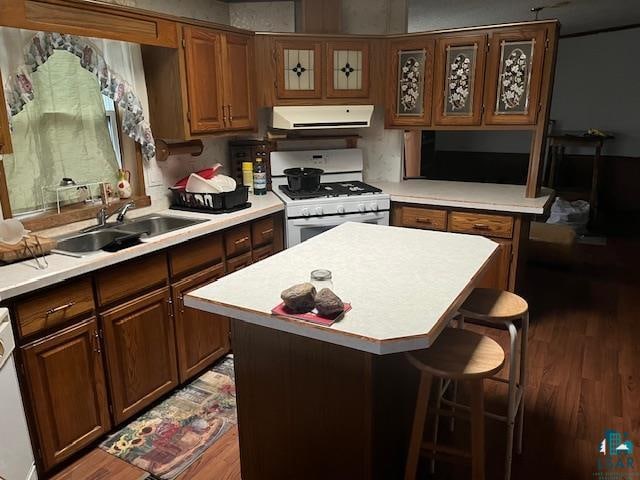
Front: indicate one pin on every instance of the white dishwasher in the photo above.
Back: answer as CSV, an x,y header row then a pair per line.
x,y
16,456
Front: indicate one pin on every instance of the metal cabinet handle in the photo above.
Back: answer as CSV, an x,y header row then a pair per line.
x,y
96,342
51,311
230,113
481,226
241,240
224,115
267,232
181,300
426,221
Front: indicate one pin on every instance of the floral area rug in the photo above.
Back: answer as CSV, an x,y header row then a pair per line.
x,y
170,437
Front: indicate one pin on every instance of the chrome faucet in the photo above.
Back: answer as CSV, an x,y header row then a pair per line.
x,y
103,215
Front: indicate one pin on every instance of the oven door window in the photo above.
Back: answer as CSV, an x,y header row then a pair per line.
x,y
299,230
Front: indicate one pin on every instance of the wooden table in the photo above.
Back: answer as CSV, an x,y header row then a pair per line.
x,y
557,146
336,402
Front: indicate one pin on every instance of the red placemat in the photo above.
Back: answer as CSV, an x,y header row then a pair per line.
x,y
312,316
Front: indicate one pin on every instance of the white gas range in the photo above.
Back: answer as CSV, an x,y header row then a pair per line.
x,y
342,196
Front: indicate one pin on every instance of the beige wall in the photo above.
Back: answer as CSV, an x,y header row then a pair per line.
x,y
263,16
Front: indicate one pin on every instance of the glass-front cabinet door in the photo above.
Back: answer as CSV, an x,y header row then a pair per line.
x,y
410,82
514,74
459,77
299,69
347,69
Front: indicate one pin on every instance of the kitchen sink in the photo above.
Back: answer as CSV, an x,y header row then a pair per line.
x,y
89,242
153,225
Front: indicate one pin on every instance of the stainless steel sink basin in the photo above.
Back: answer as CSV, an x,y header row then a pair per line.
x,y
153,225
89,242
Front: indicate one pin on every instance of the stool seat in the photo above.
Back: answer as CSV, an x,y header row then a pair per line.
x,y
461,355
493,305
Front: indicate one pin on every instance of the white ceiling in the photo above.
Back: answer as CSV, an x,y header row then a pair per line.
x,y
577,16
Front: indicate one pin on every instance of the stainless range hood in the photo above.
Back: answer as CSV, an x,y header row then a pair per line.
x,y
319,117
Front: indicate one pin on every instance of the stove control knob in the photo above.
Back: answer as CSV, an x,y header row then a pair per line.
x,y
340,209
305,212
361,207
319,211
373,207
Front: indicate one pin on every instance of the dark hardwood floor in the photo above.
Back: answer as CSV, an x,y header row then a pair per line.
x,y
584,377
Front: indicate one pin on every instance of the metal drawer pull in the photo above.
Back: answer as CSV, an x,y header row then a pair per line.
x,y
427,221
241,240
481,226
51,311
267,232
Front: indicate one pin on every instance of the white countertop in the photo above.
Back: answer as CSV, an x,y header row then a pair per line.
x,y
480,196
19,278
404,285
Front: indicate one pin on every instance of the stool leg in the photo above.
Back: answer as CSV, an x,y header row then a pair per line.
x,y
417,430
524,340
452,420
477,430
435,427
511,406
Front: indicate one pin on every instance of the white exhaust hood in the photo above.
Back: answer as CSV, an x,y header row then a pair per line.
x,y
319,117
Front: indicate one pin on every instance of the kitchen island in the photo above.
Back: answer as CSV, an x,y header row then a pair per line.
x,y
336,402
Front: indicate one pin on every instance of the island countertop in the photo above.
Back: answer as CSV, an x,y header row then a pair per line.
x,y
404,285
480,196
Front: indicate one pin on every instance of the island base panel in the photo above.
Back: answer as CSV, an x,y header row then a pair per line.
x,y
314,410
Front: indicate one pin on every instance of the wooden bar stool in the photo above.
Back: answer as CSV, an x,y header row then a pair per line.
x,y
504,310
458,355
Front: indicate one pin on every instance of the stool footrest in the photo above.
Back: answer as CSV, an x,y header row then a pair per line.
x,y
429,450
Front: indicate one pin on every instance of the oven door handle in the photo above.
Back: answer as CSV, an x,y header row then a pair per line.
x,y
335,220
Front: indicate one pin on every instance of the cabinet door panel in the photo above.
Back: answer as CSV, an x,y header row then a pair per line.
x,y
347,69
201,337
409,89
514,75
459,79
298,69
239,78
66,382
497,274
5,133
203,52
141,352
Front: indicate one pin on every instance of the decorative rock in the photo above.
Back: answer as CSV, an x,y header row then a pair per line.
x,y
328,303
299,298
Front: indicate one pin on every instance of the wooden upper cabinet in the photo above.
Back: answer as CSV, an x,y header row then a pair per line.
x,y
459,79
347,65
514,75
66,382
140,348
238,81
409,83
201,337
203,64
298,69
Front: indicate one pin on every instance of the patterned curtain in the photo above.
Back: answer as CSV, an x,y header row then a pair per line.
x,y
19,86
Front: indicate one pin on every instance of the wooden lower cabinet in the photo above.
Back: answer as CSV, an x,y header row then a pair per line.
x,y
201,338
140,349
497,274
68,394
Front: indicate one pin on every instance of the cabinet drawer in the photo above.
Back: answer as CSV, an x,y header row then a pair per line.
x,y
54,307
262,252
197,253
262,231
130,278
481,224
239,263
424,218
237,241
